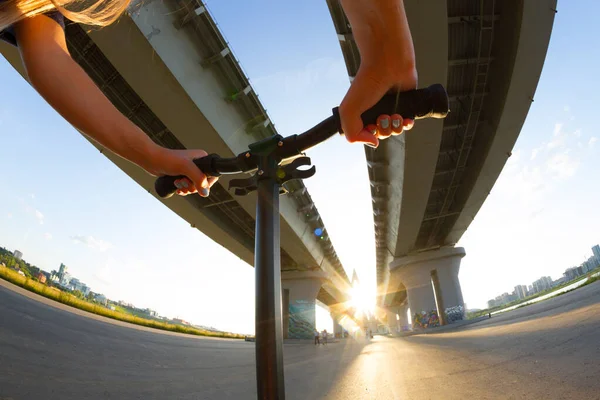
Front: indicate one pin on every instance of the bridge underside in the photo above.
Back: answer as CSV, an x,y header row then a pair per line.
x,y
125,63
428,185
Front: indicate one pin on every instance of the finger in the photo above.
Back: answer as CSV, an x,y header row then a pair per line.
x,y
198,179
397,123
212,180
408,124
373,129
363,94
384,126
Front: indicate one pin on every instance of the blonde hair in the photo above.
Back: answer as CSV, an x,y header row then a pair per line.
x,y
88,12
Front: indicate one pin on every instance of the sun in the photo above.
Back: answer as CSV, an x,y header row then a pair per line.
x,y
361,301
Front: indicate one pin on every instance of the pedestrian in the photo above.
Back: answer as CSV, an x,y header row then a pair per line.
x,y
317,337
324,333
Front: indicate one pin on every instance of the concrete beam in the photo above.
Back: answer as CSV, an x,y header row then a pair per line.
x,y
534,33
429,27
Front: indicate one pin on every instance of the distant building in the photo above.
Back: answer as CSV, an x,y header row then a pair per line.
x,y
18,255
100,298
544,283
65,279
61,272
521,291
150,312
572,273
41,277
596,251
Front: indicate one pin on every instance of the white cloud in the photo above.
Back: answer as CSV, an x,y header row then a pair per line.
x,y
534,153
92,242
39,216
305,79
592,141
557,129
563,165
48,235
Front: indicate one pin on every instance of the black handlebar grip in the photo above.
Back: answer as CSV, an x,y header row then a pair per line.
x,y
429,102
165,185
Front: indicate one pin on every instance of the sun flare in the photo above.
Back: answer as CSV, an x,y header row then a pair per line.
x,y
361,301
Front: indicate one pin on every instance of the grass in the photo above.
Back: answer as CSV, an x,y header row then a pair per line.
x,y
70,300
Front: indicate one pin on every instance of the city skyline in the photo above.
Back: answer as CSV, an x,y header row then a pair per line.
x,y
82,210
546,282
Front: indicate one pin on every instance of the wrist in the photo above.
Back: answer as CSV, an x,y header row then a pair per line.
x,y
380,29
143,151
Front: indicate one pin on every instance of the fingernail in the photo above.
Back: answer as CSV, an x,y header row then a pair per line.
x,y
177,184
204,192
396,123
184,184
385,123
374,131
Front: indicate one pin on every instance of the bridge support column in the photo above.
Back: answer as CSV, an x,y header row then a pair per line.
x,y
392,322
415,273
299,294
402,312
397,318
338,330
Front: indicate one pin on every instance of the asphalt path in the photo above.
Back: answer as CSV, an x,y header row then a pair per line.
x,y
549,350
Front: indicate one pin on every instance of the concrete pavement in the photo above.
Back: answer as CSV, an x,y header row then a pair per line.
x,y
548,350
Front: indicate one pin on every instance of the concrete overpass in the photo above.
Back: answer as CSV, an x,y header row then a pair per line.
x,y
428,185
167,67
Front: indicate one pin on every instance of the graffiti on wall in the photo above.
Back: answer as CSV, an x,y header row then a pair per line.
x,y
302,321
424,320
431,319
456,313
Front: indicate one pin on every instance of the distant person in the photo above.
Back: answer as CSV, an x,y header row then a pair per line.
x,y
379,27
317,337
324,334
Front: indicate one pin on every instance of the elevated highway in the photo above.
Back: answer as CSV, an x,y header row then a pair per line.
x,y
166,66
427,185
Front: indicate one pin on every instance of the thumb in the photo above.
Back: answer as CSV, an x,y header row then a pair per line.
x,y
365,91
193,172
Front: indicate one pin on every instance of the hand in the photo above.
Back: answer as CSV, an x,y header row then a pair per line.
x,y
369,86
180,162
381,32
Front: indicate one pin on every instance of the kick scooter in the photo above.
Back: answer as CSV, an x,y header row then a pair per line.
x,y
264,158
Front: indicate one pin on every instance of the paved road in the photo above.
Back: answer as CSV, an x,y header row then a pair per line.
x,y
549,350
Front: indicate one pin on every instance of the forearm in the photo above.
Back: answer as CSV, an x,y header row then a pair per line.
x,y
382,22
72,93
69,90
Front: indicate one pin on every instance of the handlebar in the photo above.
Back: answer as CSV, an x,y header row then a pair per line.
x,y
430,102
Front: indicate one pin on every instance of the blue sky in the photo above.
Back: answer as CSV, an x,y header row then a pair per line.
x,y
65,202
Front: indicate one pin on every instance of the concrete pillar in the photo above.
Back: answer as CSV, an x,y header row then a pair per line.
x,y
299,293
393,323
402,312
338,330
415,273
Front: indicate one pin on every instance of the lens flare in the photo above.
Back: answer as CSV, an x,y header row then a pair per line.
x,y
318,232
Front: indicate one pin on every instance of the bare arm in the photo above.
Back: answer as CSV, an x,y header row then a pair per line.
x,y
72,93
382,35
